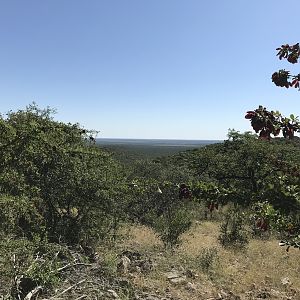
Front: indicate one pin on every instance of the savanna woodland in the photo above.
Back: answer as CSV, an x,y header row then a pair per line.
x,y
219,222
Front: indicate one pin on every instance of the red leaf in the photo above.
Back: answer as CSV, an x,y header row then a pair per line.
x,y
294,82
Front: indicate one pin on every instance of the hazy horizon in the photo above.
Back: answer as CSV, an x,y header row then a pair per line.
x,y
154,139
152,143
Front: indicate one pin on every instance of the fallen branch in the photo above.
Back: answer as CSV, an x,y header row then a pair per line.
x,y
70,265
33,293
69,288
81,297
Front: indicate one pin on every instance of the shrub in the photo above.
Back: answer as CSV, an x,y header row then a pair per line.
x,y
233,229
19,217
208,259
63,180
26,264
172,224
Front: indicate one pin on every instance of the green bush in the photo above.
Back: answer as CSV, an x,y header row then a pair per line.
x,y
208,259
233,231
25,264
19,217
63,181
171,225
159,206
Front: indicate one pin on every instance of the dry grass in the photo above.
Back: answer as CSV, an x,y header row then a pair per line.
x,y
261,266
141,238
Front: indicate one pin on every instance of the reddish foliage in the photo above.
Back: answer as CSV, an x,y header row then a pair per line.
x,y
267,122
184,192
282,77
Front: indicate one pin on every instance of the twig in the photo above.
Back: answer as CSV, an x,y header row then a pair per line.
x,y
69,288
81,297
33,293
64,267
72,265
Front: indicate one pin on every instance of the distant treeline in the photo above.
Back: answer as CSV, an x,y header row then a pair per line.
x,y
135,149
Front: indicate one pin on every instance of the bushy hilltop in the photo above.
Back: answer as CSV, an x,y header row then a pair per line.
x,y
62,197
251,169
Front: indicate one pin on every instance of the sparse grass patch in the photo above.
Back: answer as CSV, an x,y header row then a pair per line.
x,y
141,238
262,265
208,267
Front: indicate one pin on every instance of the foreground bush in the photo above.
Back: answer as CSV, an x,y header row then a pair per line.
x,y
233,231
63,186
25,265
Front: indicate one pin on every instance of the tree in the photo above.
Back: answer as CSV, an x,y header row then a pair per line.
x,y
283,78
267,122
58,171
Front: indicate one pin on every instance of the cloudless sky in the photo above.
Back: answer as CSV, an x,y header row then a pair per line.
x,y
180,69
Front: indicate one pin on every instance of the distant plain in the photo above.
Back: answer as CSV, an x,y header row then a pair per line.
x,y
150,148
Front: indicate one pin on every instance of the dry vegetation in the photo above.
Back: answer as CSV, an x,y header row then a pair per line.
x,y
138,267
263,270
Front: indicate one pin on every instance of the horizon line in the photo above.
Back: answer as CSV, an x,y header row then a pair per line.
x,y
175,139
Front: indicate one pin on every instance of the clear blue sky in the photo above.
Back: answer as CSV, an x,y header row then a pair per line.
x,y
186,69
